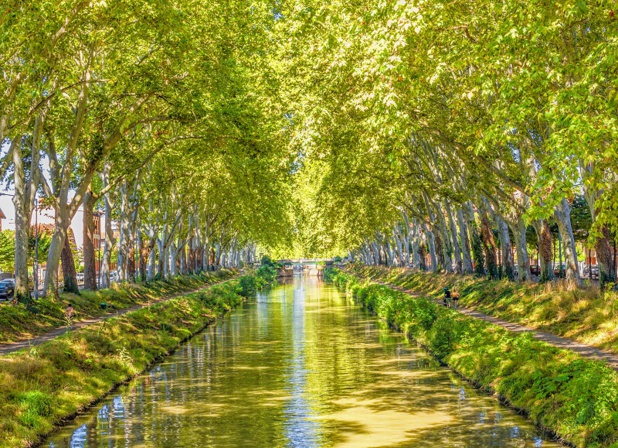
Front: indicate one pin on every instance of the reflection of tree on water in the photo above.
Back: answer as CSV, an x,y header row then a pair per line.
x,y
300,430
299,367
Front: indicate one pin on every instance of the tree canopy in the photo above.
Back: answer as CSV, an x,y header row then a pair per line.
x,y
425,133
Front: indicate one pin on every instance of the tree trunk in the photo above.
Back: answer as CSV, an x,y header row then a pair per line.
x,y
124,237
421,255
505,242
562,215
545,249
173,259
415,252
151,261
68,268
444,244
187,261
62,222
399,247
465,243
143,257
161,264
431,242
454,239
521,246
90,271
22,223
489,246
605,258
477,243
104,274
131,263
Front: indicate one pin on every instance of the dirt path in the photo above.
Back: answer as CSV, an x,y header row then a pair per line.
x,y
584,350
10,347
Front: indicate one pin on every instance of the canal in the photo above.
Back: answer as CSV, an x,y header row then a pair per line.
x,y
299,367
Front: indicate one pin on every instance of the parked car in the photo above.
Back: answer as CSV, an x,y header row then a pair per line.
x,y
560,271
80,277
7,289
535,269
591,272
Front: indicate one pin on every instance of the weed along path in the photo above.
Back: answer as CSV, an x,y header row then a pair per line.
x,y
569,344
11,347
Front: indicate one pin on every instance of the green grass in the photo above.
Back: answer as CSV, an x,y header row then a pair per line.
x,y
574,397
43,386
18,321
585,314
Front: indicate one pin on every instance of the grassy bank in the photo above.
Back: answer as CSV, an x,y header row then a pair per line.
x,y
573,397
44,386
585,314
18,321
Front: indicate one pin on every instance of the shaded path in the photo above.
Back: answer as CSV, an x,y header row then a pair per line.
x,y
581,349
10,347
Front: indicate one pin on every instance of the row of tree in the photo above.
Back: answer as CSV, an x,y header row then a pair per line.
x,y
154,113
454,127
445,126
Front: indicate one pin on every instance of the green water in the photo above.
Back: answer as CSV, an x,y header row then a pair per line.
x,y
299,367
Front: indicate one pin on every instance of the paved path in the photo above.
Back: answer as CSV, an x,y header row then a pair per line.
x,y
10,347
584,350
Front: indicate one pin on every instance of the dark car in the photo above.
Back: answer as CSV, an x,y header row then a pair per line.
x,y
535,269
7,289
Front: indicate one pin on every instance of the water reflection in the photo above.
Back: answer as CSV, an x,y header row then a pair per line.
x,y
299,367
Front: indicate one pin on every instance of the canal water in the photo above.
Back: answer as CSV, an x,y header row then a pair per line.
x,y
299,367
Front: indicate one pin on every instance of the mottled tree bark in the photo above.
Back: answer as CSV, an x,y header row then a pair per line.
x,y
90,271
605,258
489,246
562,215
521,246
68,268
507,255
477,244
465,243
545,249
454,238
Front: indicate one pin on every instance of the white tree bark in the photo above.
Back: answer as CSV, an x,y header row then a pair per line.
x,y
562,215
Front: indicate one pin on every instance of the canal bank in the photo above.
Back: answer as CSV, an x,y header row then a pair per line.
x,y
50,384
299,366
575,398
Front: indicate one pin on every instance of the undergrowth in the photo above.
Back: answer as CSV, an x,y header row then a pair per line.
x,y
585,313
19,321
574,397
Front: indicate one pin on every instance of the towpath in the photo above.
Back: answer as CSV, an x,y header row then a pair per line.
x,y
10,347
584,350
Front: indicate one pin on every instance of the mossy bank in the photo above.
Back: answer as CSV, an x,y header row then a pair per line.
x,y
42,387
584,313
574,398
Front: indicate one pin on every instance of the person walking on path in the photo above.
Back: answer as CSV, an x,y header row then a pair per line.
x,y
447,297
455,297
